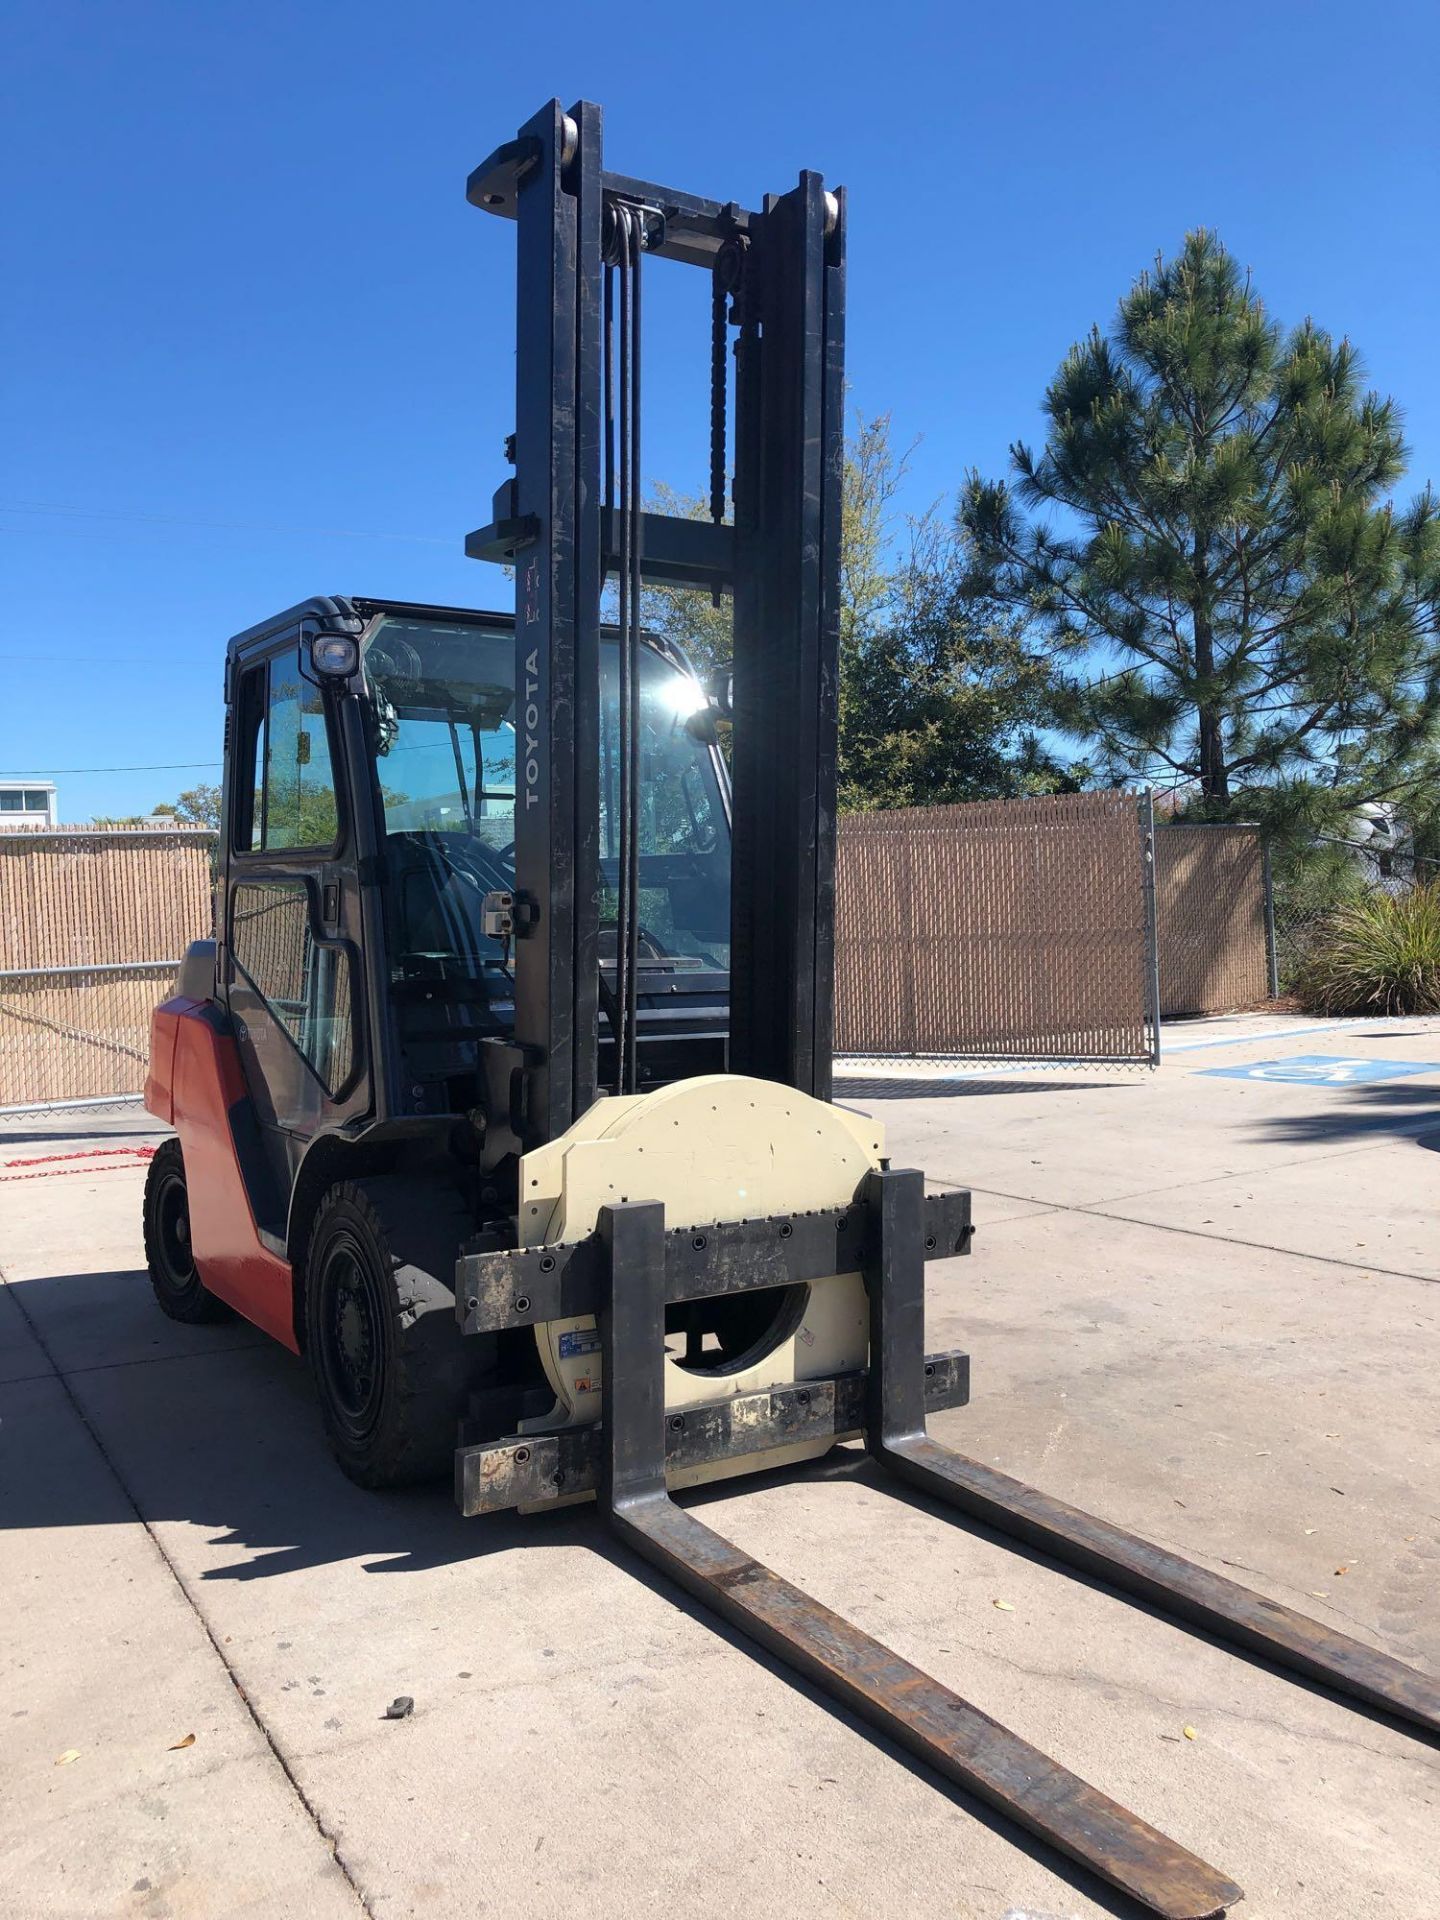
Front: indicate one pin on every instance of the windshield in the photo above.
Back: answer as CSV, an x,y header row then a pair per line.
x,y
442,716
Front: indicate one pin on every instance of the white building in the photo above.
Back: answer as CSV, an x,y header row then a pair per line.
x,y
28,803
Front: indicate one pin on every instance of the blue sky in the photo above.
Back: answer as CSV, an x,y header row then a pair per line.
x,y
256,346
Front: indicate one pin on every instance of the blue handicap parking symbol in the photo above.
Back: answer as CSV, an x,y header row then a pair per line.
x,y
1324,1070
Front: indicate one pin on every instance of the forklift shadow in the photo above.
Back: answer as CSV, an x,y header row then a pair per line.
x,y
218,1426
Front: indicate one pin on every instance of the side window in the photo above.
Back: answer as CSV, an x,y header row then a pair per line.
x,y
288,795
305,985
249,764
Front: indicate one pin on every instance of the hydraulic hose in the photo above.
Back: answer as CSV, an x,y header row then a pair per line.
x,y
632,647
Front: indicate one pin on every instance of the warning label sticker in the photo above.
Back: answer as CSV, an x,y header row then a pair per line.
x,y
581,1340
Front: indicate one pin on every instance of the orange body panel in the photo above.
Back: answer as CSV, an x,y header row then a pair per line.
x,y
195,1080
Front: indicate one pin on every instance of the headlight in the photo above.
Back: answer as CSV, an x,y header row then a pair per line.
x,y
335,655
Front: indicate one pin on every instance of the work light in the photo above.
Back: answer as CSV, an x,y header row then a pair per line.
x,y
335,655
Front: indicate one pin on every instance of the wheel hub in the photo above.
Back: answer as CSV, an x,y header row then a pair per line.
x,y
352,1335
173,1214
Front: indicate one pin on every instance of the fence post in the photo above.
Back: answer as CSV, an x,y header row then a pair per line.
x,y
1152,930
1272,951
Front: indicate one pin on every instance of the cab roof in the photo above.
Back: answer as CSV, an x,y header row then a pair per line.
x,y
323,608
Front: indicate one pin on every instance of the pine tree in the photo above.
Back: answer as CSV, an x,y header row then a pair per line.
x,y
1243,614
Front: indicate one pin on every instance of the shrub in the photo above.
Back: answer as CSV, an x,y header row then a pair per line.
x,y
1376,955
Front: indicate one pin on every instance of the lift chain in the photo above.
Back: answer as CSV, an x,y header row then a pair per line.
x,y
719,329
630,228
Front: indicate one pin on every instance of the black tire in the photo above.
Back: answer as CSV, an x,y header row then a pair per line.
x,y
168,1251
392,1369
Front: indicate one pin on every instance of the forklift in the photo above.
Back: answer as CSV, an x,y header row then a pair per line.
x,y
503,1093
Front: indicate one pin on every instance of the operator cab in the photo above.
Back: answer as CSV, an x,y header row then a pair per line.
x,y
370,808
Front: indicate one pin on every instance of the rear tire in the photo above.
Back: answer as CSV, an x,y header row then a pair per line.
x,y
392,1369
169,1253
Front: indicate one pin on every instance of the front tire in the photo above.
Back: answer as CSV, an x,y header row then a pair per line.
x,y
392,1370
169,1254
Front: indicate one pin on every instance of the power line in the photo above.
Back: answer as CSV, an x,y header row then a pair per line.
x,y
160,766
64,511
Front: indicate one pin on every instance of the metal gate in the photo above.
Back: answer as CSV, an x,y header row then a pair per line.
x,y
1008,929
1213,901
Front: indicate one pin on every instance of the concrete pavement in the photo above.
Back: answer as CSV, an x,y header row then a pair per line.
x,y
1203,1307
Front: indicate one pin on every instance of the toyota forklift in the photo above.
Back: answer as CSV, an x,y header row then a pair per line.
x,y
503,1093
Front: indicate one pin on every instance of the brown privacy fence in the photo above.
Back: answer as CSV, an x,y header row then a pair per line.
x,y
1017,929
92,925
1212,908
1007,929
271,939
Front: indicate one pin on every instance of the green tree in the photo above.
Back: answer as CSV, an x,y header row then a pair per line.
x,y
1239,602
940,695
197,806
873,475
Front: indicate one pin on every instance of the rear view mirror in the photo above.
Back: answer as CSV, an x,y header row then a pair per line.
x,y
719,690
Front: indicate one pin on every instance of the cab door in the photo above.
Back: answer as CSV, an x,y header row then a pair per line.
x,y
289,972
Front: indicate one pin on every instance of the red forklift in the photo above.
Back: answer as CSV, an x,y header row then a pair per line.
x,y
503,1092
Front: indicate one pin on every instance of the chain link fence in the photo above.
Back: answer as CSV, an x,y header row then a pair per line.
x,y
92,926
1005,930
997,930
1212,910
1310,884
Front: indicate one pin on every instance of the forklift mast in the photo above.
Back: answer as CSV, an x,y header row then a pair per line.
x,y
572,517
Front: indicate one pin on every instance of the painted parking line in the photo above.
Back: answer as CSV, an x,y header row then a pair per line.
x,y
1324,1070
1168,1046
1399,1022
